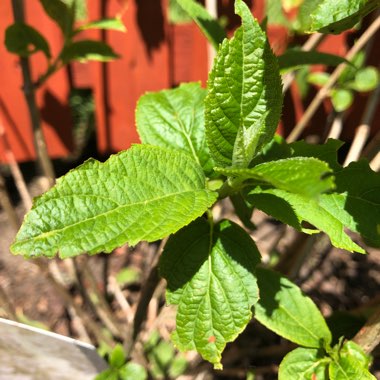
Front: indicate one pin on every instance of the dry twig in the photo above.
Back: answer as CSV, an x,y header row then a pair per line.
x,y
363,131
325,90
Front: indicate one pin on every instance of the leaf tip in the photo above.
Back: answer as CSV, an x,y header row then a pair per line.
x,y
218,366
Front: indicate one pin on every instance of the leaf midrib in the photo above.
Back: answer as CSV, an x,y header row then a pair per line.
x,y
59,230
299,323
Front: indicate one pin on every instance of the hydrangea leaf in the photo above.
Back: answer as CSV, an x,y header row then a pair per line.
x,y
88,50
62,13
331,16
209,26
300,175
284,309
175,118
210,271
350,362
244,98
347,368
295,58
24,40
293,209
304,364
105,24
144,193
357,203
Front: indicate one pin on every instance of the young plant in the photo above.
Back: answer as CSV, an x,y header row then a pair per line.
x,y
198,147
120,369
24,40
355,77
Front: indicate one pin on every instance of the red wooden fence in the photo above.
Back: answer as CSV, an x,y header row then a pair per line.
x,y
155,55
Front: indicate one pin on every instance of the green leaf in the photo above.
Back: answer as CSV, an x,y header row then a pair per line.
x,y
294,58
357,204
353,350
366,79
88,50
210,276
107,23
349,72
117,357
299,175
348,368
350,362
244,101
318,78
144,193
293,209
304,364
331,16
161,357
108,374
128,276
133,371
284,309
175,118
63,14
275,13
208,25
278,149
23,40
327,152
303,22
176,14
341,99
81,11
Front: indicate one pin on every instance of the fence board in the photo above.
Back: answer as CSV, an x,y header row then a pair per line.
x,y
154,55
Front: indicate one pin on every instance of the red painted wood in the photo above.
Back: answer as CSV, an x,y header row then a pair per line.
x,y
154,56
188,54
51,99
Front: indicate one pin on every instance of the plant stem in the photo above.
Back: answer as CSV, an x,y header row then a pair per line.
x,y
43,158
325,90
368,336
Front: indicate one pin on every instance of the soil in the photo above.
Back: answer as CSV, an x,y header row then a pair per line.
x,y
339,282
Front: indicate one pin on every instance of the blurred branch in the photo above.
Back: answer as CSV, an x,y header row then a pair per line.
x,y
325,90
368,336
363,131
43,158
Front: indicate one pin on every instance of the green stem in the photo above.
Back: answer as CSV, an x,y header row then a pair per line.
x,y
226,190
